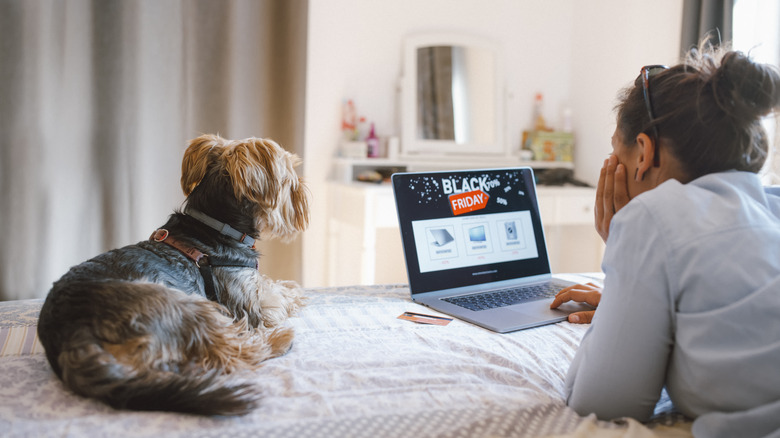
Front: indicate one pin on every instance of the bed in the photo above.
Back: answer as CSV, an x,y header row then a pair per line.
x,y
355,370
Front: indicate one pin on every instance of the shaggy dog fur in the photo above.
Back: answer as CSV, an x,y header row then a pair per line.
x,y
133,327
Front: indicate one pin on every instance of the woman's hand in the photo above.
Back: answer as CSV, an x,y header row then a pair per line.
x,y
611,194
581,293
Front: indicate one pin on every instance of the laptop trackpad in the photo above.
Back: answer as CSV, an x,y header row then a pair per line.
x,y
542,307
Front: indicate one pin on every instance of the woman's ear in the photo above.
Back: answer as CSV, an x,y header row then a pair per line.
x,y
645,157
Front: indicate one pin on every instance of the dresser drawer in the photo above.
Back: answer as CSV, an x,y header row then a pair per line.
x,y
572,210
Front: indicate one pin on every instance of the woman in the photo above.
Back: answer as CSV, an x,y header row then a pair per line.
x,y
691,297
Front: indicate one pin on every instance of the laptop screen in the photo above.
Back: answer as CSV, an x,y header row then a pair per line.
x,y
464,228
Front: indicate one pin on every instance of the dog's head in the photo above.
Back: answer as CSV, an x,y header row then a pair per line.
x,y
252,179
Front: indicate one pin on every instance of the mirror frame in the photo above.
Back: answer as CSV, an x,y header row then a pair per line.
x,y
411,146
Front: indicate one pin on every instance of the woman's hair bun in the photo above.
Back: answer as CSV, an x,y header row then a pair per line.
x,y
743,89
708,110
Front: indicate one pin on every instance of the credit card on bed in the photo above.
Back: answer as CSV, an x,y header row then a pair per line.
x,y
421,318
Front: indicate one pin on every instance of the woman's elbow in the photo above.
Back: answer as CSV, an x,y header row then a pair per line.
x,y
607,406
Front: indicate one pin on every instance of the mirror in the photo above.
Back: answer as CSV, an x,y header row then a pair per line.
x,y
452,96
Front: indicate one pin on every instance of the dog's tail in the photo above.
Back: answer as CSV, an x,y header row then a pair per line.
x,y
146,347
99,376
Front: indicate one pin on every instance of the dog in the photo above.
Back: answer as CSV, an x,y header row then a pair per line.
x,y
177,322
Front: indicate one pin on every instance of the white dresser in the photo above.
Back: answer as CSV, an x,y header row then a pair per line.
x,y
364,241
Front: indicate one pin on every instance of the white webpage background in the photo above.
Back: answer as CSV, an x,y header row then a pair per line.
x,y
462,251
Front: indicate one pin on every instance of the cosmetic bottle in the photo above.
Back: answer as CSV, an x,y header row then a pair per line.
x,y
539,123
373,143
348,121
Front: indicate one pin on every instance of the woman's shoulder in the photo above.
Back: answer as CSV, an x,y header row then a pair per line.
x,y
711,194
710,204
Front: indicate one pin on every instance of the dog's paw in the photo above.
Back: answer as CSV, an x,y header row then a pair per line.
x,y
278,301
280,340
294,297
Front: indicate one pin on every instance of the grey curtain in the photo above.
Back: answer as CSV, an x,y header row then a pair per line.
x,y
97,101
706,19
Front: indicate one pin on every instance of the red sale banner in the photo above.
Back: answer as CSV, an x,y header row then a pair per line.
x,y
468,201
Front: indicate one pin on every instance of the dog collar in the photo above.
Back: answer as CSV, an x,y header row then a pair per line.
x,y
220,226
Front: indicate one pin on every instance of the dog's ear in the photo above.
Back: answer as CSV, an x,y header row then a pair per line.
x,y
292,213
253,168
263,173
199,154
300,205
296,211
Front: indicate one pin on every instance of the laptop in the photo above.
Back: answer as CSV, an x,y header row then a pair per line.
x,y
475,248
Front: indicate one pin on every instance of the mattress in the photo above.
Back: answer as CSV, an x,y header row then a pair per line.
x,y
355,370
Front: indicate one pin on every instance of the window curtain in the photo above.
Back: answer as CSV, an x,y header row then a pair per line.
x,y
706,19
98,99
713,20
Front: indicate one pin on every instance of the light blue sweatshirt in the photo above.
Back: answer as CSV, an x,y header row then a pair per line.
x,y
691,301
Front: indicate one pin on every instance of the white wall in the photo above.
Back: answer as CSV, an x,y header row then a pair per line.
x,y
613,39
577,53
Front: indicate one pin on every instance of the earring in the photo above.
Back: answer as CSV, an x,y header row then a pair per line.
x,y
636,173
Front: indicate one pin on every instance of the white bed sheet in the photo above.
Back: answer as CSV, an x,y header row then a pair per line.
x,y
355,370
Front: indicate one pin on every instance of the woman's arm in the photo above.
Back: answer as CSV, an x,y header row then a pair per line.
x,y
620,367
611,196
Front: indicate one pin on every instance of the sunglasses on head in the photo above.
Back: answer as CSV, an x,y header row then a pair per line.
x,y
646,73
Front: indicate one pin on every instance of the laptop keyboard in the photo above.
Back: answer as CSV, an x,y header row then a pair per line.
x,y
506,297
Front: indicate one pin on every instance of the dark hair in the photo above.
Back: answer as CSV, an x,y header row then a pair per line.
x,y
707,111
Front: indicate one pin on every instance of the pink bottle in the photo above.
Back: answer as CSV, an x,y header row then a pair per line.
x,y
373,143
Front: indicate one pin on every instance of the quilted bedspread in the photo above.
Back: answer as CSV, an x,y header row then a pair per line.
x,y
355,370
